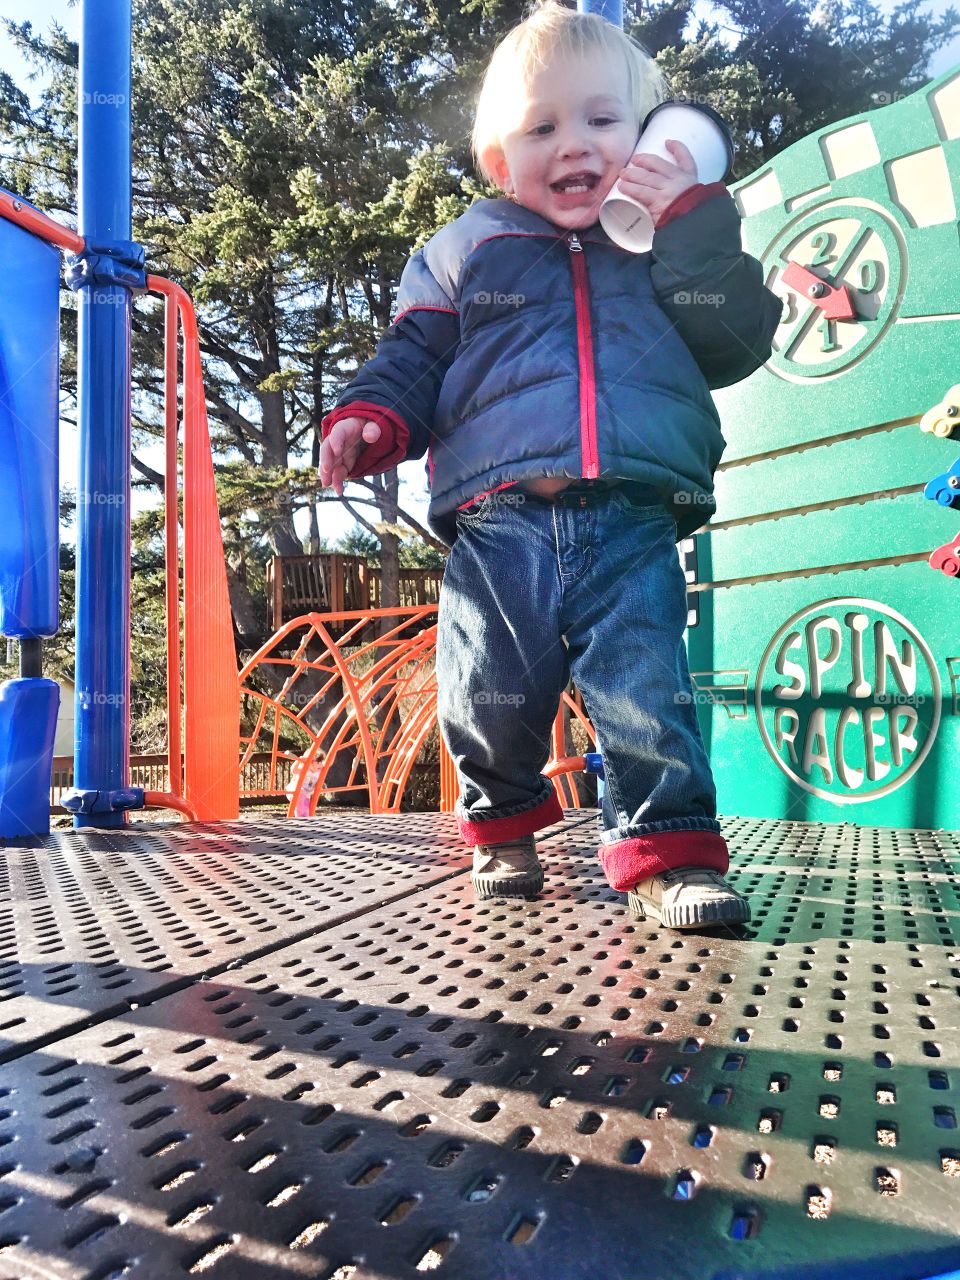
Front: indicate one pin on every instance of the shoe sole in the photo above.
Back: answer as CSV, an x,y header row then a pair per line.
x,y
512,887
691,917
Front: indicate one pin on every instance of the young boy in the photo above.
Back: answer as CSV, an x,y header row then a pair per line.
x,y
561,386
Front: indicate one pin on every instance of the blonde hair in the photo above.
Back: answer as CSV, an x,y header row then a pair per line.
x,y
549,31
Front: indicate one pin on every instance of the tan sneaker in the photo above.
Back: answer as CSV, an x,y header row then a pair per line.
x,y
510,869
688,898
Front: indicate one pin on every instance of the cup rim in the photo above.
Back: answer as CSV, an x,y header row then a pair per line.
x,y
707,111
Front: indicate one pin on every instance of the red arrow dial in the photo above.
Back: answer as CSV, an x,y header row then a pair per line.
x,y
833,300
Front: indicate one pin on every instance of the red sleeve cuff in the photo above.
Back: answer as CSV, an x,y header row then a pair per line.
x,y
384,453
689,199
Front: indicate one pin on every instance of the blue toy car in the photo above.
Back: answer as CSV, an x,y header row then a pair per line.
x,y
945,489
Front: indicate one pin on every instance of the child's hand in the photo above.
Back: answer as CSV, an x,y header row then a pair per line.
x,y
340,450
656,183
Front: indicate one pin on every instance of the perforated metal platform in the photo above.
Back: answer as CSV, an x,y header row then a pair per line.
x,y
528,1090
90,920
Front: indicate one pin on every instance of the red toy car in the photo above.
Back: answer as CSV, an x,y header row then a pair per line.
x,y
947,558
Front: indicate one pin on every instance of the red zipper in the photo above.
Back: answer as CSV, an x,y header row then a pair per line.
x,y
589,459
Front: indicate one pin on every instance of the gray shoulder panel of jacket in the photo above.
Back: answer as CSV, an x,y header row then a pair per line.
x,y
431,277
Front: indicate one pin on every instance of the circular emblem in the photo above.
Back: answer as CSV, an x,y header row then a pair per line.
x,y
839,269
847,699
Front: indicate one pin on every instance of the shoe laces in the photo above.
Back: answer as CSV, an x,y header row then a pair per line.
x,y
691,874
522,846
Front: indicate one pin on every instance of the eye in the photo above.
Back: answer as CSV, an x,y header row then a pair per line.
x,y
536,131
604,120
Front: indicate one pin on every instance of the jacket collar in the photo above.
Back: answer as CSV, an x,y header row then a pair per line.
x,y
519,216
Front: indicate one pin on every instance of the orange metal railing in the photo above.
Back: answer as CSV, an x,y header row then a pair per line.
x,y
354,708
39,224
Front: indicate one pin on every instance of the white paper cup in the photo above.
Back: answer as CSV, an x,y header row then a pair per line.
x,y
626,221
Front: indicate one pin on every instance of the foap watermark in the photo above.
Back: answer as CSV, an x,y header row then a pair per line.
x,y
300,697
97,698
98,99
692,498
912,496
494,698
97,498
898,699
695,298
699,698
483,298
698,100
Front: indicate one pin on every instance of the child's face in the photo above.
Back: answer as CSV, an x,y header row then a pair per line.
x,y
572,119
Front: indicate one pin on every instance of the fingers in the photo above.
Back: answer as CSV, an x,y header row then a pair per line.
x,y
656,164
340,450
340,474
683,153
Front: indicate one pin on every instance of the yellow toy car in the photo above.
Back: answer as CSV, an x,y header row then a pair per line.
x,y
944,418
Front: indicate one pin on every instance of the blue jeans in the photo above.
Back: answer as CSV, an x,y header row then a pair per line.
x,y
587,584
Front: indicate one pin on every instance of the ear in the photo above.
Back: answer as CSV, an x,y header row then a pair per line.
x,y
496,164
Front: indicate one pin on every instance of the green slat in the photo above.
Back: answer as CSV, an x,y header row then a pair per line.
x,y
844,535
885,460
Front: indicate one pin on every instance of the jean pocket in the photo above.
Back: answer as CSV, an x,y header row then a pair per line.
x,y
477,512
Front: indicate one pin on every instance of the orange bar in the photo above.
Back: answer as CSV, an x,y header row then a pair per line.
x,y
39,224
566,764
163,800
449,783
172,546
211,689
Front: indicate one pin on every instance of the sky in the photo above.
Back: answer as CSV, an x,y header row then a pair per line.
x,y
413,493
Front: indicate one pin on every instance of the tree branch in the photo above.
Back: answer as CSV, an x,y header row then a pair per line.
x,y
415,525
247,370
155,477
240,428
360,520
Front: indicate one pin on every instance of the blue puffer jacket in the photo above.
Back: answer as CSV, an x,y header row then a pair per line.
x,y
521,350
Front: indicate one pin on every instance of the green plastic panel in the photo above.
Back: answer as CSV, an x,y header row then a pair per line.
x,y
821,703
828,685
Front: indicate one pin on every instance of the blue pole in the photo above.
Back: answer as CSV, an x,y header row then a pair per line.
x,y
103,485
612,10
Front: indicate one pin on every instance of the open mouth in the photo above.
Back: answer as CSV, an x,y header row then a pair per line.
x,y
576,183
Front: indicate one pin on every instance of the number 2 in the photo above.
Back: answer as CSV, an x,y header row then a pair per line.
x,y
822,242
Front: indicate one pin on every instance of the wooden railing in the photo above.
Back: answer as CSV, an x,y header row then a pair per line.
x,y
150,772
417,586
333,583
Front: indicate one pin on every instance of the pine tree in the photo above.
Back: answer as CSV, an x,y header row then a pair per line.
x,y
290,154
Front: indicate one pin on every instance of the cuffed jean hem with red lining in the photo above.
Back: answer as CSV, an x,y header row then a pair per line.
x,y
521,821
679,842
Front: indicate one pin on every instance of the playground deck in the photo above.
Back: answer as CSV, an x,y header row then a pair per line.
x,y
302,1049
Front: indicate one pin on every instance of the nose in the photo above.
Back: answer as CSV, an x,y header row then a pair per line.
x,y
572,142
